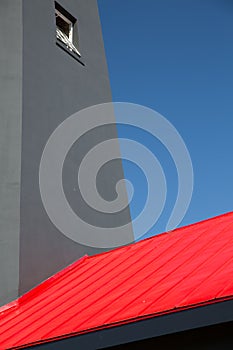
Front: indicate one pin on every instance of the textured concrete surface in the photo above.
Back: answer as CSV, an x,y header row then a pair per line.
x,y
55,85
10,145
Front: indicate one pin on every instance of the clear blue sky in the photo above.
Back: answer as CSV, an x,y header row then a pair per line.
x,y
176,56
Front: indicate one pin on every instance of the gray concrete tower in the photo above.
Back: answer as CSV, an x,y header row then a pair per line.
x,y
44,80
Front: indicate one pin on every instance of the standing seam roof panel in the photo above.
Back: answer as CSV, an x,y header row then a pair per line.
x,y
185,268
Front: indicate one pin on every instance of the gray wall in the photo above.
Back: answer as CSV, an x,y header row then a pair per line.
x,y
55,85
40,86
10,144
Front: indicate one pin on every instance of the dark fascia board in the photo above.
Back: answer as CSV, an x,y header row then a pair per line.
x,y
175,322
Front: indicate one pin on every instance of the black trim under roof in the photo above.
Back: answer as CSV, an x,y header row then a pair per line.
x,y
175,322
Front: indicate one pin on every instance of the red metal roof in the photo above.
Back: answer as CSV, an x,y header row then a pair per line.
x,y
166,273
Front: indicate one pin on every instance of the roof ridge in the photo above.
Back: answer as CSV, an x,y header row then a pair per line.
x,y
163,233
42,286
212,218
52,278
143,284
46,283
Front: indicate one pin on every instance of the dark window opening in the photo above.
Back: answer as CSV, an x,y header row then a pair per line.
x,y
63,25
66,29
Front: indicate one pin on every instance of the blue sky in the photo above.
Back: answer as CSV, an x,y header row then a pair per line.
x,y
176,57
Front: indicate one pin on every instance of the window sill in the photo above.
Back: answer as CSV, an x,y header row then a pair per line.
x,y
71,53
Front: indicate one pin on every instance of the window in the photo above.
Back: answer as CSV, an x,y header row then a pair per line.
x,y
66,29
64,25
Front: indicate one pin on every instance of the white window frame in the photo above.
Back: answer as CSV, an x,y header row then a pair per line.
x,y
71,24
67,40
